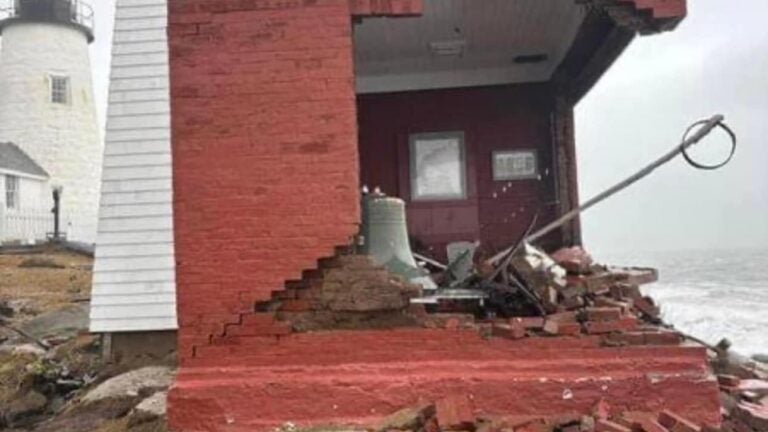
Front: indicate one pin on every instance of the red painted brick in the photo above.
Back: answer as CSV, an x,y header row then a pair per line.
x,y
554,327
529,322
676,423
509,331
455,413
601,410
603,313
386,7
263,101
602,327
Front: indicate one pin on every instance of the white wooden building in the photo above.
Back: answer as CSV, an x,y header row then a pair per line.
x,y
134,273
25,197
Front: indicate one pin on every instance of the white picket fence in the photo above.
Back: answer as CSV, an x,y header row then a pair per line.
x,y
25,225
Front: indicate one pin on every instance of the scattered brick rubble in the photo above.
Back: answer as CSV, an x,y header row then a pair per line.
x,y
745,402
582,301
458,413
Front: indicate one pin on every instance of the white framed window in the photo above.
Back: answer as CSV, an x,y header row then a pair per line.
x,y
59,89
11,192
515,165
438,166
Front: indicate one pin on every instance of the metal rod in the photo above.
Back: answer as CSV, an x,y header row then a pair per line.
x,y
708,126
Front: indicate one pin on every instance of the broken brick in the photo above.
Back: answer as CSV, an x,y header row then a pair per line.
x,y
603,314
635,275
509,331
728,380
676,423
553,327
646,306
452,324
563,317
622,291
601,410
455,413
609,426
625,306
535,323
752,415
575,260
663,338
572,303
598,327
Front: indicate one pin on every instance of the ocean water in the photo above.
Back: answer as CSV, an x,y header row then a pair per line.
x,y
710,294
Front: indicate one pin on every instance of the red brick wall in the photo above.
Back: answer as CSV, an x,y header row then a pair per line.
x,y
265,152
492,118
386,7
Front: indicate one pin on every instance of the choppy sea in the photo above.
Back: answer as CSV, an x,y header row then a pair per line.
x,y
711,294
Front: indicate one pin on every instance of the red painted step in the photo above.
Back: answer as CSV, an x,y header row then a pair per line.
x,y
358,377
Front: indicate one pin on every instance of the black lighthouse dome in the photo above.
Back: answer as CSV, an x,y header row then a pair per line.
x,y
75,13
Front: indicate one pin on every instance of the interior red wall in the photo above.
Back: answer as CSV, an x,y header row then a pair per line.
x,y
264,140
492,118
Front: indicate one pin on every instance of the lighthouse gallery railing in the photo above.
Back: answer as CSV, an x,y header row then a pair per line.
x,y
77,12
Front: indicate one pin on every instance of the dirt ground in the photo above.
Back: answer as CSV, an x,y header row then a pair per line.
x,y
35,393
44,281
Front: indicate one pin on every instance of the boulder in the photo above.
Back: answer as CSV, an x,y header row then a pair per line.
x,y
65,322
150,409
133,383
29,404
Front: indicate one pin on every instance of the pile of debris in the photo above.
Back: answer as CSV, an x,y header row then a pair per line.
x,y
457,413
572,295
529,293
745,402
347,291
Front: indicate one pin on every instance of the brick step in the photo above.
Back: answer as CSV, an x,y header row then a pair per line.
x,y
412,344
524,368
354,384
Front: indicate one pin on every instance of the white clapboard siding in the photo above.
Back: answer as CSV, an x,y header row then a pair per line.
x,y
134,280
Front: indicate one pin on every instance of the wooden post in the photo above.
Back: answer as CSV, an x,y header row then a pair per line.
x,y
2,219
567,176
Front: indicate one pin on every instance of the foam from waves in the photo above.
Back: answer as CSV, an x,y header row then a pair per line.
x,y
710,294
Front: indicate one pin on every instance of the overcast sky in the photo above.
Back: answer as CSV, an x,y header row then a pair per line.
x,y
715,62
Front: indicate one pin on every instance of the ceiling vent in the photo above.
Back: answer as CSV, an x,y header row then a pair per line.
x,y
453,48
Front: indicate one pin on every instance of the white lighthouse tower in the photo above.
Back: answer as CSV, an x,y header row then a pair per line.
x,y
47,105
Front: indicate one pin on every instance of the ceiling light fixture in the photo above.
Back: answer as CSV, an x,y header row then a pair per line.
x,y
452,48
531,58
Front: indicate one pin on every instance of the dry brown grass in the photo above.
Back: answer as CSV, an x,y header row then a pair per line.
x,y
45,289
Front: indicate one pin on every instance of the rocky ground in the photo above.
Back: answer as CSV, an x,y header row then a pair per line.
x,y
52,375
